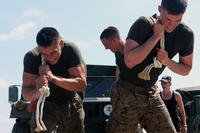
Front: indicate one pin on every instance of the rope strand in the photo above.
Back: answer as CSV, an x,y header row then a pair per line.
x,y
44,92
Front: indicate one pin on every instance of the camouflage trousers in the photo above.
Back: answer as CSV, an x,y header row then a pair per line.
x,y
62,118
133,105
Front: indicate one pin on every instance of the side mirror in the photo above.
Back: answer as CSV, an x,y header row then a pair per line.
x,y
13,94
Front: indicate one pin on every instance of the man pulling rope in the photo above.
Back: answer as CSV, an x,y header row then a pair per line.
x,y
64,73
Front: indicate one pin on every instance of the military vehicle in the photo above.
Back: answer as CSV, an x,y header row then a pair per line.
x,y
191,100
19,110
96,101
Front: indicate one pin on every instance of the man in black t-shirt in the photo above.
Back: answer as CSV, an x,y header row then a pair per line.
x,y
64,73
111,39
146,54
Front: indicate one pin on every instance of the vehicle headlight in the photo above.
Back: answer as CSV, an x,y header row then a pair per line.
x,y
107,109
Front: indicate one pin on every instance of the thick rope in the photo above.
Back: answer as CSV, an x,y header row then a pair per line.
x,y
156,63
44,92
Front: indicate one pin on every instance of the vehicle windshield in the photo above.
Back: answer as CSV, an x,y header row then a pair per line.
x,y
98,86
99,80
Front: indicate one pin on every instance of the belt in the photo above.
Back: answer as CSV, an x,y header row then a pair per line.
x,y
150,91
131,87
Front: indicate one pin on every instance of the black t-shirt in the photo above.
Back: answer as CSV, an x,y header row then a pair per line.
x,y
70,57
119,60
179,41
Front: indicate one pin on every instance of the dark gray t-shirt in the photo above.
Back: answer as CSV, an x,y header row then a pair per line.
x,y
179,41
119,60
70,57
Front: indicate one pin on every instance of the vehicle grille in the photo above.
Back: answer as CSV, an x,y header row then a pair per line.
x,y
94,109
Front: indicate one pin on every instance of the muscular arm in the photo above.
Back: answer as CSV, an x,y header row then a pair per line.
x,y
117,73
29,90
183,67
76,82
135,53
